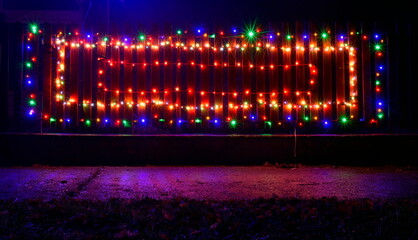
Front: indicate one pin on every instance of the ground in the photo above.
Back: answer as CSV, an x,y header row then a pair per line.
x,y
209,202
208,182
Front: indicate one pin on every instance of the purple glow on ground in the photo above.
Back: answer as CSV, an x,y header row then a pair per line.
x,y
214,182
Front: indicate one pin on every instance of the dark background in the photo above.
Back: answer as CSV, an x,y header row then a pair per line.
x,y
394,18
225,11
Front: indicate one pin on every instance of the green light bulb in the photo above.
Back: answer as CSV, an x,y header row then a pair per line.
x,y
324,35
33,28
141,37
126,123
233,123
251,34
32,102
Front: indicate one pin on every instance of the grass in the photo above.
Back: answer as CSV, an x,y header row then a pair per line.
x,y
271,218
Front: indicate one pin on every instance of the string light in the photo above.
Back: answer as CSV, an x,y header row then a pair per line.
x,y
202,104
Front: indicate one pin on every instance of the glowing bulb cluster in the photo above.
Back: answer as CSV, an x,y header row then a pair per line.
x,y
223,86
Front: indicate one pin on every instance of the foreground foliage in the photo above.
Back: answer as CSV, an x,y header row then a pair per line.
x,y
272,218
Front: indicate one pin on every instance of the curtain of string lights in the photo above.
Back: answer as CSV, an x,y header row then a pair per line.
x,y
249,79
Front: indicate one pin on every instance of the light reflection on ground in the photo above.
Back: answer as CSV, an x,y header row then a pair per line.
x,y
211,182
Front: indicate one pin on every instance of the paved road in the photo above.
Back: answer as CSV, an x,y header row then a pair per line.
x,y
214,182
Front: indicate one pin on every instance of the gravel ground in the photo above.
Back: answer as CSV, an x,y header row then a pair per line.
x,y
208,182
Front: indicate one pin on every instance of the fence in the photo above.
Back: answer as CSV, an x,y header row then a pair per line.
x,y
253,79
